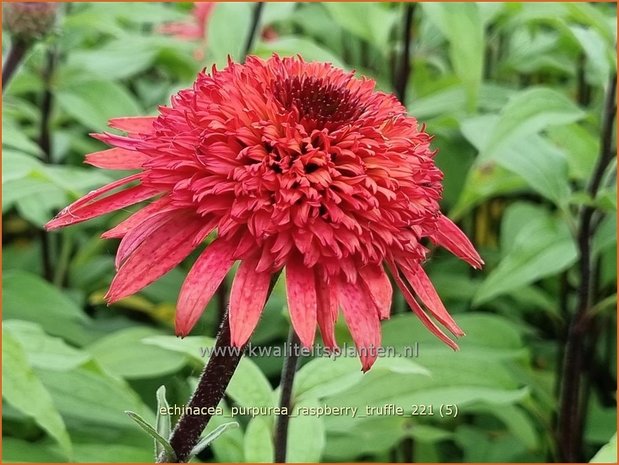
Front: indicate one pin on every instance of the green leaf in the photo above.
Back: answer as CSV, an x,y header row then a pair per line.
x,y
154,434
527,113
24,391
369,21
592,16
516,420
93,103
162,421
229,447
117,59
599,57
258,443
543,247
194,347
88,397
362,437
17,165
324,377
18,140
28,297
485,181
541,165
16,450
580,146
44,351
293,46
306,434
461,24
608,453
248,386
223,39
124,354
206,440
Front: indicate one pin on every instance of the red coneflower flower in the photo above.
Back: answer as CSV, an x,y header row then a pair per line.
x,y
296,165
194,29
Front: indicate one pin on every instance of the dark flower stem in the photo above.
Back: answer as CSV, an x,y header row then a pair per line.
x,y
45,142
17,52
222,302
258,7
404,70
570,427
285,402
210,390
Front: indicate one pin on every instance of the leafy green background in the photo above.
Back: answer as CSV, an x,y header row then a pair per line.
x,y
512,93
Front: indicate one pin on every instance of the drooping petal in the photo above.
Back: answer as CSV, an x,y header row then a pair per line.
x,y
116,159
92,205
115,140
133,124
138,234
326,312
416,308
247,298
158,254
301,298
449,236
122,228
362,318
424,289
380,288
201,282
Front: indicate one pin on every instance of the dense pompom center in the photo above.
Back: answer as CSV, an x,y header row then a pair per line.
x,y
319,103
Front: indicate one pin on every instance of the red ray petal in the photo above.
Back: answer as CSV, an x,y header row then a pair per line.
x,y
159,253
133,124
116,159
380,288
326,314
90,206
449,236
122,228
363,320
424,289
247,298
301,298
123,142
416,308
139,234
201,282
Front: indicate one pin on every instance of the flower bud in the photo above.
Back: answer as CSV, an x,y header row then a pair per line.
x,y
28,22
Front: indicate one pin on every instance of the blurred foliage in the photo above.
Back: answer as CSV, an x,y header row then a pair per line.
x,y
513,94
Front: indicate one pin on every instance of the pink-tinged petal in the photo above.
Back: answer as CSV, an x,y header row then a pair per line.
x,y
159,253
133,125
326,314
115,140
137,235
122,228
247,298
362,318
416,308
449,236
380,288
424,289
91,206
116,159
201,282
301,298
